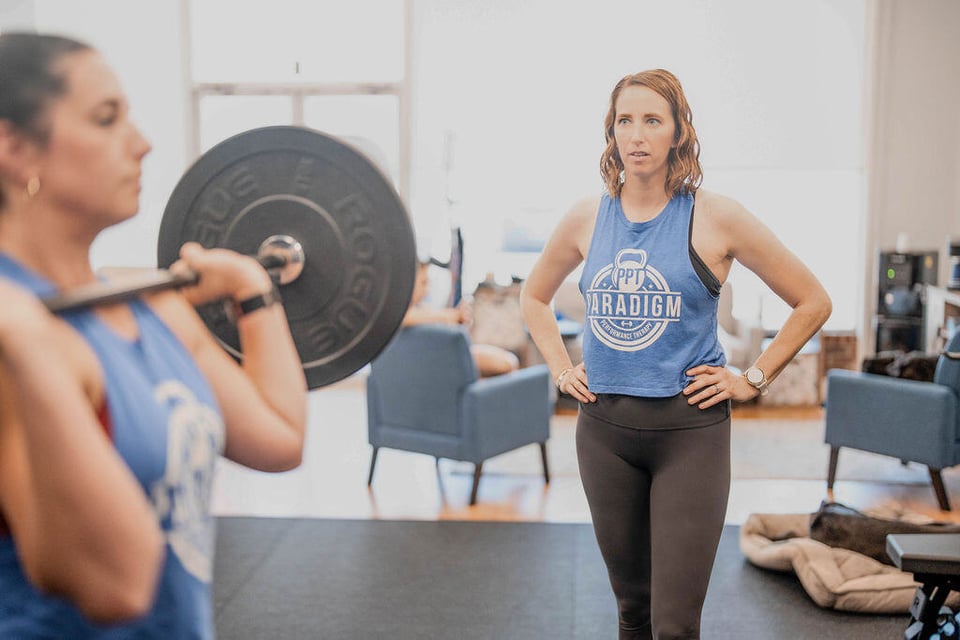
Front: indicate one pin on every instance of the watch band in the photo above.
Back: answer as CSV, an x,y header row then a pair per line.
x,y
259,301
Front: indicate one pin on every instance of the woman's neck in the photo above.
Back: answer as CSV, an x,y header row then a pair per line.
x,y
50,248
643,202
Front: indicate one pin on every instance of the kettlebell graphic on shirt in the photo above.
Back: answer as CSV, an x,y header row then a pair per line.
x,y
629,303
629,270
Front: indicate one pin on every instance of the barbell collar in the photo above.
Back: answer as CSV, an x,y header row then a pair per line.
x,y
283,256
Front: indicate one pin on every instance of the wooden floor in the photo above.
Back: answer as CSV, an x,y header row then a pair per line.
x,y
331,482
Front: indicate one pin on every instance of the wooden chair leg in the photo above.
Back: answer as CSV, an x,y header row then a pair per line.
x,y
546,467
373,463
477,470
939,489
832,467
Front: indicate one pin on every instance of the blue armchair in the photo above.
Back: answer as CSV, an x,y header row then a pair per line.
x,y
424,395
906,419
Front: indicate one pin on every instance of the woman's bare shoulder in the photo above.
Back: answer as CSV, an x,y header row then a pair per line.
x,y
586,206
582,214
712,203
723,214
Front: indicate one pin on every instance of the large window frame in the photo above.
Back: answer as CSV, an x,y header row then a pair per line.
x,y
298,93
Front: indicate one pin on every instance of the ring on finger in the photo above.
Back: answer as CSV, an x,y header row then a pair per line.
x,y
716,389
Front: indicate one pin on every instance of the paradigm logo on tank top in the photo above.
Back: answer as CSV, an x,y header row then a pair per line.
x,y
629,303
182,497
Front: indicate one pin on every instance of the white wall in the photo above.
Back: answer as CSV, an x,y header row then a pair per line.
x,y
16,14
913,145
141,39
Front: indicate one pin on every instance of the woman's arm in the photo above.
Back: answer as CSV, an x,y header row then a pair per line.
x,y
566,248
81,522
264,399
751,243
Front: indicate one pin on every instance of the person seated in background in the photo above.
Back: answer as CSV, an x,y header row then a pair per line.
x,y
491,360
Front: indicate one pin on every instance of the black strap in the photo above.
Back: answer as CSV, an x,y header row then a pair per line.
x,y
259,301
710,281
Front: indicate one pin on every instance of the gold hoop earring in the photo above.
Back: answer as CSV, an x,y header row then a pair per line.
x,y
33,186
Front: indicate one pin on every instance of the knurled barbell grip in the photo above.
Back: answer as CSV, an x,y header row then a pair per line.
x,y
103,293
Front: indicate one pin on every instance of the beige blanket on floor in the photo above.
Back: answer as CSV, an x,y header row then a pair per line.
x,y
834,578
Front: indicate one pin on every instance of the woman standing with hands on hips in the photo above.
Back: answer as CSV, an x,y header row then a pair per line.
x,y
111,418
653,432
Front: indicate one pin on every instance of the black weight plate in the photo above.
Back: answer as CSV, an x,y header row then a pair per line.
x,y
358,243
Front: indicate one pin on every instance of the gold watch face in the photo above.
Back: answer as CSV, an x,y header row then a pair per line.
x,y
754,376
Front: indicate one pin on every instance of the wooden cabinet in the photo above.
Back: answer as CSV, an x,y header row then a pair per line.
x,y
838,350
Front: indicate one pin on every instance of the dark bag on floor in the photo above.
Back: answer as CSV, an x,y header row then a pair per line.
x,y
914,365
840,526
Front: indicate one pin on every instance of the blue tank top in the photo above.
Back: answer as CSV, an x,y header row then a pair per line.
x,y
165,423
649,314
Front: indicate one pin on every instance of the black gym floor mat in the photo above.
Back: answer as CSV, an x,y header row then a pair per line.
x,y
368,579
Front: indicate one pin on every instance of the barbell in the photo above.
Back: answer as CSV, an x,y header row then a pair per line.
x,y
318,215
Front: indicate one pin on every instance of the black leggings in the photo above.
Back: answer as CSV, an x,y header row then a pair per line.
x,y
656,473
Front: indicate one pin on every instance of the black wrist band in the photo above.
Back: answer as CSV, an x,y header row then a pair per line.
x,y
259,301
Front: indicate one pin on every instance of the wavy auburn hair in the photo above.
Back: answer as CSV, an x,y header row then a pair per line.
x,y
684,173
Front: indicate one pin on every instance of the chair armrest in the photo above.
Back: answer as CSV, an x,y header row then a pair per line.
x,y
907,419
504,412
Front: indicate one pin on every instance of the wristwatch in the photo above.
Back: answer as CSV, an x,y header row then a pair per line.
x,y
253,303
757,379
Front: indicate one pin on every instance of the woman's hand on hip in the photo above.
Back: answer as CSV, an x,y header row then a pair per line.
x,y
573,382
712,385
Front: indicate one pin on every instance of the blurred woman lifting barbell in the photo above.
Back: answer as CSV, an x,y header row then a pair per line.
x,y
111,417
